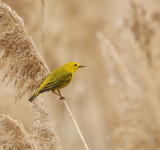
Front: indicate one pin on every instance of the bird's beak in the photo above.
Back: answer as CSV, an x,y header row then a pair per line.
x,y
81,66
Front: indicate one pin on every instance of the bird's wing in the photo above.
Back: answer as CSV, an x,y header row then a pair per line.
x,y
42,81
60,81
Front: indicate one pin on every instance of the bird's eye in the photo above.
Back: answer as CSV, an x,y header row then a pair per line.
x,y
75,64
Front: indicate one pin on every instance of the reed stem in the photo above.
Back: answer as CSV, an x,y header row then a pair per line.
x,y
42,28
75,124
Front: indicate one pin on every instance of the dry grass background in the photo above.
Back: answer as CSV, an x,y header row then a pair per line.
x,y
116,98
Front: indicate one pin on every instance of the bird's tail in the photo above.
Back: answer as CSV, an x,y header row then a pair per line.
x,y
33,97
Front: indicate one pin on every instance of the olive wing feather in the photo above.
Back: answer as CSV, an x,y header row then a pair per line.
x,y
56,83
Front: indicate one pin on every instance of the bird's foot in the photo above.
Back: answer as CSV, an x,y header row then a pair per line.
x,y
61,98
59,94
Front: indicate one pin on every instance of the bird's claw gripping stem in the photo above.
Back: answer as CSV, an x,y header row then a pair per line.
x,y
59,94
61,98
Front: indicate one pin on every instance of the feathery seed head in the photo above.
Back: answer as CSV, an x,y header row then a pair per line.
x,y
18,55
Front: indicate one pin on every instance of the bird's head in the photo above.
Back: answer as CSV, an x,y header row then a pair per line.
x,y
73,66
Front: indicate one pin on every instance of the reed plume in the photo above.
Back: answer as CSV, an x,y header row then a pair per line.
x,y
22,64
137,99
44,136
139,23
19,57
13,135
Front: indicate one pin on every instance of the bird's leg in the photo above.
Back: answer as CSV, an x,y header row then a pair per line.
x,y
56,93
59,94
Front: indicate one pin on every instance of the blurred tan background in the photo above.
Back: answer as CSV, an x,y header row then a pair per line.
x,y
115,99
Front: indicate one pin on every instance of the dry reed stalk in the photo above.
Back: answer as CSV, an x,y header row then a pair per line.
x,y
76,125
64,101
110,55
140,23
138,101
43,136
42,27
21,62
13,136
19,57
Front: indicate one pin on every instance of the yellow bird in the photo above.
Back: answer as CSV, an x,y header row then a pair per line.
x,y
58,79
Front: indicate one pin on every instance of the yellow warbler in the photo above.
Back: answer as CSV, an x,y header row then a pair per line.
x,y
58,79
